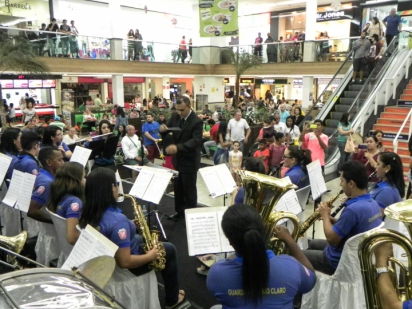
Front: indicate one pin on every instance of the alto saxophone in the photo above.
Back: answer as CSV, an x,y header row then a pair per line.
x,y
315,216
151,237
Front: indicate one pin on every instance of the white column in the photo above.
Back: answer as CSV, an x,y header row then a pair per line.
x,y
118,90
289,89
104,92
115,30
307,91
166,87
310,31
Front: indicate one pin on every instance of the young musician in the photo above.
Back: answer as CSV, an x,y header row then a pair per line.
x,y
391,187
26,161
10,146
361,214
255,277
53,136
296,160
100,211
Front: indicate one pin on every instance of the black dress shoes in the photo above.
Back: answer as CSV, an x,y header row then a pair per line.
x,y
176,216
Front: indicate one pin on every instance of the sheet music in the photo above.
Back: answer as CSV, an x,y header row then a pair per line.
x,y
317,182
157,187
90,244
5,162
288,202
119,180
23,200
81,155
142,182
225,244
14,189
212,181
226,178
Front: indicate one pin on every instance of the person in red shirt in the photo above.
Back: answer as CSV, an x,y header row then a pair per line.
x,y
212,142
263,153
183,49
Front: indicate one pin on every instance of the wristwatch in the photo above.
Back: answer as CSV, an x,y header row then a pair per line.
x,y
381,270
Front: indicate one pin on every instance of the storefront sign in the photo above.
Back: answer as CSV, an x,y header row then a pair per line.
x,y
227,80
338,15
271,81
247,80
218,18
20,6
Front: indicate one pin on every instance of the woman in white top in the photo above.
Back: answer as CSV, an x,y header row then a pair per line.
x,y
28,112
292,130
375,28
71,137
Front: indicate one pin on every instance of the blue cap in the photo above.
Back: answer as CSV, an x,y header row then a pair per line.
x,y
57,118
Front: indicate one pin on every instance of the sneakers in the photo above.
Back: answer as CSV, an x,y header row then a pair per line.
x,y
352,82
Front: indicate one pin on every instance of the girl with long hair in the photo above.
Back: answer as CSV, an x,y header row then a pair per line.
x,y
292,131
368,155
66,198
255,277
101,212
379,136
121,118
223,145
53,136
130,44
297,115
10,146
391,187
28,112
344,130
296,160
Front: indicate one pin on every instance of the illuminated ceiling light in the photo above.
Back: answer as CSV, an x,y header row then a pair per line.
x,y
336,6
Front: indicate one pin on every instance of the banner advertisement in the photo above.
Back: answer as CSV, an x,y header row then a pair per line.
x,y
218,18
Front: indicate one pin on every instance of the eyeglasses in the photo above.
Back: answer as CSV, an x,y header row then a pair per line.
x,y
117,183
285,157
104,128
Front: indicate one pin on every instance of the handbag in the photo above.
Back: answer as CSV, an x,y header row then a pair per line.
x,y
350,145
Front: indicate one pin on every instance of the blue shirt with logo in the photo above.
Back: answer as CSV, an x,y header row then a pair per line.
x,y
120,230
26,163
42,184
69,207
392,24
298,176
385,194
361,214
153,130
287,277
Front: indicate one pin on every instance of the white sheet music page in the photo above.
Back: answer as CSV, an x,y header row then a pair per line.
x,y
202,231
119,180
317,182
23,200
90,244
157,187
81,155
142,182
225,177
212,181
224,242
14,189
288,202
5,162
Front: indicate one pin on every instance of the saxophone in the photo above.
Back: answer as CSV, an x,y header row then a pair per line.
x,y
315,216
151,237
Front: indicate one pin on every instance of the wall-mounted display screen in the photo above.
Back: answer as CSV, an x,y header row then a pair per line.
x,y
49,83
6,84
21,83
35,83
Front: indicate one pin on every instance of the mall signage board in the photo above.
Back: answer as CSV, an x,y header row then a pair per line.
x,y
218,18
247,80
271,81
334,15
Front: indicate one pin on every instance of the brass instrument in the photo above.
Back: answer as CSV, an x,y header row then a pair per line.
x,y
263,193
276,245
315,216
15,244
401,211
151,237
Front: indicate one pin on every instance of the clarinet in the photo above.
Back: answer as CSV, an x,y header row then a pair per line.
x,y
371,176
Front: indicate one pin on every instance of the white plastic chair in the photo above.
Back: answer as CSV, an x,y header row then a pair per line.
x,y
344,289
47,245
60,225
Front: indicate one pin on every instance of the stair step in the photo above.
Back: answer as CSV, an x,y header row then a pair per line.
x,y
407,91
396,110
390,128
354,94
409,86
344,100
355,87
397,122
343,108
401,151
406,97
401,143
405,160
333,123
336,115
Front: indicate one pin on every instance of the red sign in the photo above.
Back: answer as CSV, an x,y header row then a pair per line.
x,y
6,84
49,83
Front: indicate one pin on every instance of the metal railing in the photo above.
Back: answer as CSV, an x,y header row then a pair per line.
x,y
395,141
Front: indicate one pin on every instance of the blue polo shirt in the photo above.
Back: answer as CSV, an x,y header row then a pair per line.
x,y
69,207
361,214
385,194
41,190
298,176
407,304
120,230
153,130
287,277
392,24
239,196
26,163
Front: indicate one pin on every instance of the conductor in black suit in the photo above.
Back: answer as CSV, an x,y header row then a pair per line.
x,y
186,154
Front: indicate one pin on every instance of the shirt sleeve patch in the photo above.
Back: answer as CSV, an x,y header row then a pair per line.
x,y
40,189
74,206
35,172
122,234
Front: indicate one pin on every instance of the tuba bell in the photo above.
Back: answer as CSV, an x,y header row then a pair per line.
x,y
263,193
402,212
15,244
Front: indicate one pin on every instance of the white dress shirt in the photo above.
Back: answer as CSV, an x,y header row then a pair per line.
x,y
131,146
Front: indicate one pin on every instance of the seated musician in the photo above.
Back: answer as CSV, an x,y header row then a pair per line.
x,y
100,211
361,214
26,160
66,194
391,187
296,160
254,277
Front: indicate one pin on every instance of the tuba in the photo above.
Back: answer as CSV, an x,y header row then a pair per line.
x,y
402,212
263,193
15,244
151,237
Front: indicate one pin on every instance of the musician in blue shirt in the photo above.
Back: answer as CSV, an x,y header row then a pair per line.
x,y
254,277
296,160
53,136
361,214
391,188
100,211
26,160
10,146
66,194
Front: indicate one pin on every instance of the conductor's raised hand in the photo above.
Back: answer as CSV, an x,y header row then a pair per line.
x,y
163,128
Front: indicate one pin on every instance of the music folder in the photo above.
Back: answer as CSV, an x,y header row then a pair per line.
x,y
218,180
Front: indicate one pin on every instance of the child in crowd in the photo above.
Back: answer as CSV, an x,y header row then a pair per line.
x,y
263,153
12,114
277,149
235,161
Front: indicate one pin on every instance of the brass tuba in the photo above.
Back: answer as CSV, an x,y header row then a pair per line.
x,y
401,211
15,244
263,193
151,237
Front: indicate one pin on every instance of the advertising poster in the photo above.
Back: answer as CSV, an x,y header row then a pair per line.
x,y
218,18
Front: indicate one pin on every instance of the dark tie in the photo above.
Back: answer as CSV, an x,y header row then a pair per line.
x,y
182,122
